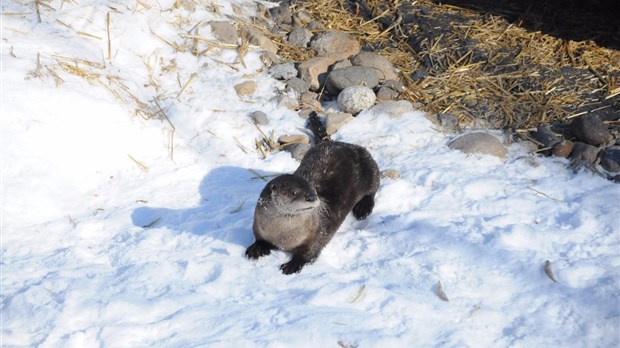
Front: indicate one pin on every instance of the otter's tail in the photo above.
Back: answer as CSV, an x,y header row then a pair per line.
x,y
317,128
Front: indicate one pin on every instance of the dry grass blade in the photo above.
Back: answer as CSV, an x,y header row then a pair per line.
x,y
549,271
359,294
140,165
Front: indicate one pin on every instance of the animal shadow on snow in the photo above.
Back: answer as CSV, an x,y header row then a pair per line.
x,y
225,211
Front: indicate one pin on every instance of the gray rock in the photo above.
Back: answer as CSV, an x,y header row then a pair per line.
x,y
395,85
385,69
386,93
610,159
590,130
545,136
355,99
298,85
345,63
335,120
336,44
260,118
283,71
448,121
482,143
584,153
340,79
224,32
256,38
310,100
282,16
390,173
563,148
245,88
269,58
393,109
297,151
300,37
286,101
315,26
302,18
305,113
314,70
294,139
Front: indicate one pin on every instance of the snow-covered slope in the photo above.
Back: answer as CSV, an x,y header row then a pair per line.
x,y
119,232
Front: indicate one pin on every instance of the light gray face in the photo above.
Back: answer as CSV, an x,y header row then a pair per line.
x,y
291,195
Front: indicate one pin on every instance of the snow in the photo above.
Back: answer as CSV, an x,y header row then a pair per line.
x,y
110,239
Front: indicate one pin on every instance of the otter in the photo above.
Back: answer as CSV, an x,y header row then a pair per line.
x,y
301,212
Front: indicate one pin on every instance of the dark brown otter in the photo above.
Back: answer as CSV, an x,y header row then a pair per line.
x,y
301,212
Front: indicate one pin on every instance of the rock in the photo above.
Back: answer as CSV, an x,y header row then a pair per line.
x,y
224,32
314,70
300,37
584,153
392,108
305,113
260,118
562,149
297,151
355,99
545,136
385,69
269,58
610,159
395,85
482,143
294,139
345,63
256,38
590,130
310,100
283,71
282,16
448,121
245,88
298,85
340,79
336,44
315,26
386,93
390,173
302,18
334,120
286,101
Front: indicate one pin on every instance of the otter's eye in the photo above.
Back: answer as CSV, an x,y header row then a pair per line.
x,y
294,193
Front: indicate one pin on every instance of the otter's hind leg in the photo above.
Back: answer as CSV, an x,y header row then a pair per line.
x,y
258,249
364,207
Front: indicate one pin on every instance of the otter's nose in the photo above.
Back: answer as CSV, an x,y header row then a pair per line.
x,y
311,197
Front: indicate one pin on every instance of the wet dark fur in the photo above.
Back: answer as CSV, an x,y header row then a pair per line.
x,y
343,176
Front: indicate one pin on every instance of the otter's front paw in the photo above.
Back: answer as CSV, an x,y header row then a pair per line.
x,y
293,266
258,249
364,207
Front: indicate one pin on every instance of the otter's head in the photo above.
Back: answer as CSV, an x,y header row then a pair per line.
x,y
290,195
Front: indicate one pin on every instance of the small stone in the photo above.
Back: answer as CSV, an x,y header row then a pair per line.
x,y
482,143
282,16
286,101
562,149
610,159
386,94
345,63
269,58
310,100
315,26
545,136
314,70
395,85
336,44
590,130
355,99
392,109
385,69
340,79
245,88
584,153
224,32
448,121
260,118
390,174
302,18
256,38
298,85
283,71
305,113
294,139
334,120
300,37
297,151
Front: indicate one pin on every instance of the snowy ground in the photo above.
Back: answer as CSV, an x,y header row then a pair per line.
x,y
109,239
